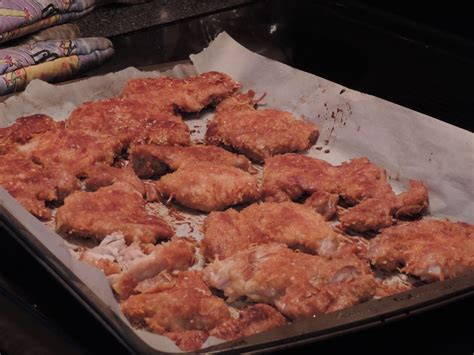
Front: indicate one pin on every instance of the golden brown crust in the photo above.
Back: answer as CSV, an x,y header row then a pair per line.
x,y
207,187
177,254
298,284
189,95
429,249
150,160
73,151
252,320
298,226
413,202
376,213
188,340
291,176
369,215
323,203
116,208
99,176
109,267
390,286
259,134
33,185
187,305
131,121
24,129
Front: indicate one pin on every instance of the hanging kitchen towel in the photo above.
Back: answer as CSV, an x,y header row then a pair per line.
x,y
51,61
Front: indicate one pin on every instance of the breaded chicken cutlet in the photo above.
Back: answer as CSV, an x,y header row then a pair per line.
x,y
33,185
192,94
298,284
297,226
208,187
252,320
116,208
376,213
177,254
131,121
150,161
429,249
98,176
73,151
183,308
24,129
180,304
356,182
292,176
258,134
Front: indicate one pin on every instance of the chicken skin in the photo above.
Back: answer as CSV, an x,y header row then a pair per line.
x,y
131,121
429,249
297,284
178,254
207,187
297,226
258,134
73,151
116,208
183,309
150,161
24,129
192,94
33,185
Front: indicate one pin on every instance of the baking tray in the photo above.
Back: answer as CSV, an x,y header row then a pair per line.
x,y
368,314
18,222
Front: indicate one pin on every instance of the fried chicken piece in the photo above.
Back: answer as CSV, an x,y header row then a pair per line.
x,y
116,208
188,340
184,304
297,226
177,254
429,249
98,176
33,185
207,187
24,129
73,151
105,256
291,176
369,215
413,202
323,203
258,134
189,95
113,255
375,213
298,284
150,161
131,121
252,320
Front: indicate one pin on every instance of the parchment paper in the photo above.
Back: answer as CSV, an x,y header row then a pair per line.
x,y
408,144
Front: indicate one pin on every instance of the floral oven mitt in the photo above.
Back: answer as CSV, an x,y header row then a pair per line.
x,y
52,61
21,17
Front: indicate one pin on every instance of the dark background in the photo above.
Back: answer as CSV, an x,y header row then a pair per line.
x,y
417,54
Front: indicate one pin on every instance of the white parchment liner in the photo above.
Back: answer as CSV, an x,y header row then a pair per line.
x,y
408,144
